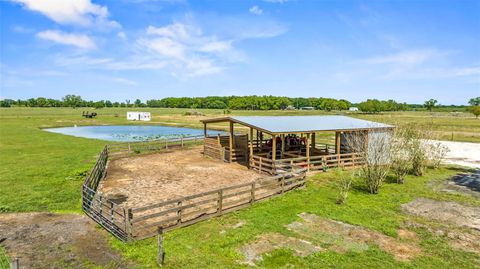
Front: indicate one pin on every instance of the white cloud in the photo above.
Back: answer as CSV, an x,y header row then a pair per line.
x,y
122,35
468,71
77,40
76,12
255,10
411,57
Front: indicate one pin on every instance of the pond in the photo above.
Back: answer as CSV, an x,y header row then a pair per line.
x,y
128,133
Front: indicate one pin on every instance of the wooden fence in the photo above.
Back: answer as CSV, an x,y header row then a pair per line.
x,y
322,162
145,221
142,222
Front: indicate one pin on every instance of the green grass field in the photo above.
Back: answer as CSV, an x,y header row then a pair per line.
x,y
41,171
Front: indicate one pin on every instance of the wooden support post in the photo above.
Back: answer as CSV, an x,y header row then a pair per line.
x,y
337,142
283,145
179,212
251,147
220,201
129,218
166,143
129,149
337,146
230,142
252,193
161,251
205,129
313,143
283,183
111,213
308,152
15,264
274,148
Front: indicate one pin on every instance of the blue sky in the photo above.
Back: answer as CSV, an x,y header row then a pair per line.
x,y
404,50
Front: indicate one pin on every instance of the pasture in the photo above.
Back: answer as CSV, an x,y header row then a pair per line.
x,y
43,172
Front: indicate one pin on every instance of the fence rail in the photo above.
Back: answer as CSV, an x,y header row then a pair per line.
x,y
143,222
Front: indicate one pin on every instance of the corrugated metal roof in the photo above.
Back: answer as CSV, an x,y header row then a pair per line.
x,y
299,124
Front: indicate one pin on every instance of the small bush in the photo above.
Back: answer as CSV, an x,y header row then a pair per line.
x,y
436,154
193,113
344,184
4,209
78,174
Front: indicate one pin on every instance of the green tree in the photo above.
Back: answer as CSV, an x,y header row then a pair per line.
x,y
72,100
475,110
430,104
474,101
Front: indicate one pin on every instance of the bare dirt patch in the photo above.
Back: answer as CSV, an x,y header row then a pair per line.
x,y
342,237
315,234
147,179
268,242
446,212
45,240
459,224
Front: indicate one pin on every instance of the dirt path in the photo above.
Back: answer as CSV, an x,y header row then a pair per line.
x,y
45,240
463,153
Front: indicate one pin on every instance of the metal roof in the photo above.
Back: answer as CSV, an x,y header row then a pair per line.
x,y
302,124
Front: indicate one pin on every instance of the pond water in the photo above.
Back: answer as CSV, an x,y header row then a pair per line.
x,y
127,133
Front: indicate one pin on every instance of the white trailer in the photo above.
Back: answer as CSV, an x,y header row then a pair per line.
x,y
135,115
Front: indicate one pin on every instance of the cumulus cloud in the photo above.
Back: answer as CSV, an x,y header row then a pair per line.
x,y
255,10
78,40
74,12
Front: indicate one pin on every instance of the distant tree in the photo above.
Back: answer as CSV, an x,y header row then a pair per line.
x,y
138,103
72,100
127,102
474,101
6,103
430,104
371,106
108,103
475,110
99,104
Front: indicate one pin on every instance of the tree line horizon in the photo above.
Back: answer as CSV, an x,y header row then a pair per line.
x,y
251,102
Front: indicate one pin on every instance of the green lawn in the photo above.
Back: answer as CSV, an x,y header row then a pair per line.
x,y
39,171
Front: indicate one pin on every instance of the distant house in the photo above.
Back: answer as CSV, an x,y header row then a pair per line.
x,y
290,107
353,108
142,116
307,108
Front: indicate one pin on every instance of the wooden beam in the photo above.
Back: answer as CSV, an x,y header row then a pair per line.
x,y
313,143
337,142
251,146
205,129
283,144
274,147
230,142
308,152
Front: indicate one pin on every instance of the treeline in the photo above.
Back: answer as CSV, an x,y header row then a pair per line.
x,y
253,102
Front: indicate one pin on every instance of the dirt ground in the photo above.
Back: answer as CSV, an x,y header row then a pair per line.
x,y
462,153
445,212
146,179
314,232
459,224
45,240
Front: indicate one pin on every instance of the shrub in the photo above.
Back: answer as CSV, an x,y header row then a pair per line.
x,y
436,153
400,152
376,154
344,183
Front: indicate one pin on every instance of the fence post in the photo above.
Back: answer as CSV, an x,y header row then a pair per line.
x,y
179,212
15,264
220,201
130,226
282,182
101,204
260,164
166,143
129,149
112,217
161,251
252,193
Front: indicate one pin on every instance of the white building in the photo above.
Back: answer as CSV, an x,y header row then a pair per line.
x,y
353,108
143,116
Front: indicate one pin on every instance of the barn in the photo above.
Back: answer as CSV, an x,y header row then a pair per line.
x,y
268,143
